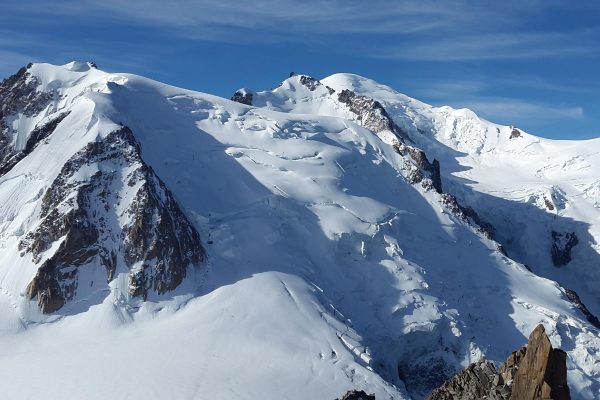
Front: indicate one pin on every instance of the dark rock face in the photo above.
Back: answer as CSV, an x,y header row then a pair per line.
x,y
562,243
38,134
574,298
147,232
515,133
536,371
19,94
422,163
242,96
312,84
357,395
467,214
371,113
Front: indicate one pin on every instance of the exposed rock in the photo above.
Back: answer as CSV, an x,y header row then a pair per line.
x,y
312,84
38,134
94,225
515,133
536,371
542,372
549,204
562,243
242,96
468,214
421,161
508,369
574,297
357,395
19,94
480,380
371,113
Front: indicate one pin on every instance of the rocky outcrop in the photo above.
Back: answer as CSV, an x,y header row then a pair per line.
x,y
242,96
357,395
423,167
467,214
312,84
108,208
515,133
574,298
562,244
370,113
37,135
536,371
19,95
542,372
480,380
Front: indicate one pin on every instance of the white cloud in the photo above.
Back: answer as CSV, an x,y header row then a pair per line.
x,y
506,110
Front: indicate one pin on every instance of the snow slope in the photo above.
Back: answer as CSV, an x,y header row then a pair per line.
x,y
525,186
326,268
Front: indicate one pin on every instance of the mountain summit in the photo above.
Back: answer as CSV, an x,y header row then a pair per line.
x,y
324,236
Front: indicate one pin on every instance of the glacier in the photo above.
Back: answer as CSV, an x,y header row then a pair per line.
x,y
329,259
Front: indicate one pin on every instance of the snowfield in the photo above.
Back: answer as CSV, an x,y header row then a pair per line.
x,y
326,269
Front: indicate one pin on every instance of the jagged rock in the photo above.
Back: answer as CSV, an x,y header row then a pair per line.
x,y
38,134
468,214
508,369
19,94
147,232
371,113
242,96
480,380
357,395
542,372
515,133
421,161
574,298
548,204
312,84
536,371
562,243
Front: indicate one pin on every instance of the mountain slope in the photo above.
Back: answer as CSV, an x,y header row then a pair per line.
x,y
331,256
535,192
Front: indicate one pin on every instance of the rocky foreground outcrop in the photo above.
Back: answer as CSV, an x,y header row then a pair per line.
x,y
536,371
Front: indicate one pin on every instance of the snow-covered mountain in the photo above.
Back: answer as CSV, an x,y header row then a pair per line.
x,y
294,243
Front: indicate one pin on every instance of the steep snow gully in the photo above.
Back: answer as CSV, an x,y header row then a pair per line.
x,y
294,243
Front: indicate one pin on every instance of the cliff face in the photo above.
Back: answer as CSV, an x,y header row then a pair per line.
x,y
108,207
536,371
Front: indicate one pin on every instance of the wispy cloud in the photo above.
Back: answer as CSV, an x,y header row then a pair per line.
x,y
495,46
507,109
417,30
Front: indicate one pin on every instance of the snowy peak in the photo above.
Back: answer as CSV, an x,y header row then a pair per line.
x,y
104,208
332,229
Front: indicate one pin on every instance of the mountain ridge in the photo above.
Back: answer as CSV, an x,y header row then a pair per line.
x,y
326,242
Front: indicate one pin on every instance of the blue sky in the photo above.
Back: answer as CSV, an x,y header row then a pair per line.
x,y
530,63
